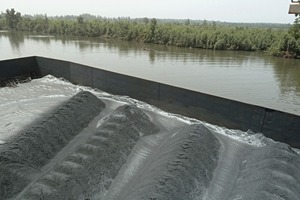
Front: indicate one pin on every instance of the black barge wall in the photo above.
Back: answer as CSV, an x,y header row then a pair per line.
x,y
18,67
275,124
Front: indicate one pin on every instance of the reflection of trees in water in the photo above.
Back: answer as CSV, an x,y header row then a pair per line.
x,y
124,48
287,72
167,53
152,56
40,38
86,45
156,52
200,56
16,39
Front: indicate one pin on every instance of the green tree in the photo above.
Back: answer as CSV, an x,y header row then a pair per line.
x,y
187,22
150,37
183,33
288,44
295,29
2,21
145,20
12,18
80,20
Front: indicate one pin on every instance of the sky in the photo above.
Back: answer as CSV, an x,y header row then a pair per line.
x,y
260,11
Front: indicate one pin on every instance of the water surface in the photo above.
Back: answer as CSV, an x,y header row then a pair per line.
x,y
251,77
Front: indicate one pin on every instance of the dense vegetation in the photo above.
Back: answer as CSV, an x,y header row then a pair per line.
x,y
184,33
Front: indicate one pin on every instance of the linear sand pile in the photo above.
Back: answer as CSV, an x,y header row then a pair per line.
x,y
271,173
180,166
124,152
26,153
91,167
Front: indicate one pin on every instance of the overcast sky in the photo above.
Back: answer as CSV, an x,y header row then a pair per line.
x,y
275,11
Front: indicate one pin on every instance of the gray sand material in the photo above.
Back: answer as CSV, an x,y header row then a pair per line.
x,y
180,167
89,170
271,172
85,151
31,149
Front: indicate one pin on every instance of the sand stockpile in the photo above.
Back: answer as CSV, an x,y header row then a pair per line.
x,y
24,155
100,146
180,166
89,169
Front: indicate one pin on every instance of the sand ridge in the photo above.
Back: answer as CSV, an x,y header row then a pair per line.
x,y
101,146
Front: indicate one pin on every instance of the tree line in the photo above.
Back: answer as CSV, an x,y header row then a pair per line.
x,y
275,41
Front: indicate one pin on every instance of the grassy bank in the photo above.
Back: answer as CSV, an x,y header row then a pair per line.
x,y
276,41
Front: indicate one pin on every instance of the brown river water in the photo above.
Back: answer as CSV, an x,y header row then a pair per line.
x,y
250,77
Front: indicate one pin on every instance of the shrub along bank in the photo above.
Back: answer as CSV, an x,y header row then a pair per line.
x,y
188,33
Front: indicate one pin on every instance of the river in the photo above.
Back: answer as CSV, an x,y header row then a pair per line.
x,y
250,77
